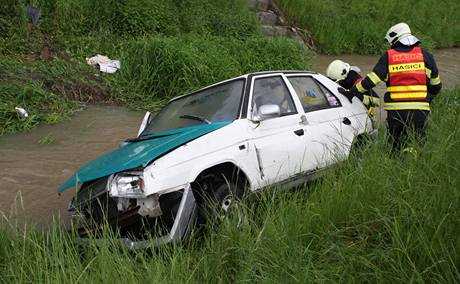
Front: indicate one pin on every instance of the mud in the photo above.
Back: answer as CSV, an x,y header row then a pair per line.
x,y
47,53
31,167
80,91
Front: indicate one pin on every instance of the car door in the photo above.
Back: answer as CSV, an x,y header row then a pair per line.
x,y
325,124
279,142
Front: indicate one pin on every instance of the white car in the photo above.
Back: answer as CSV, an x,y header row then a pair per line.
x,y
240,135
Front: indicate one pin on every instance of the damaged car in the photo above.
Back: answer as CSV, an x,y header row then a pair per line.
x,y
197,156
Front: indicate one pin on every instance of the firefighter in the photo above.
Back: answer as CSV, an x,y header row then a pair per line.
x,y
412,80
347,76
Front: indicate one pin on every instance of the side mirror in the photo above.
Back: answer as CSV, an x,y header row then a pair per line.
x,y
144,123
269,111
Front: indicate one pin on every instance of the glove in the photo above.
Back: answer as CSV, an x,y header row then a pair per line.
x,y
346,93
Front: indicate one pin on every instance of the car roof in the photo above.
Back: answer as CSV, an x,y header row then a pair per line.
x,y
248,75
281,71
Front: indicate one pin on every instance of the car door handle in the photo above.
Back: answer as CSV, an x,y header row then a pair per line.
x,y
299,132
346,121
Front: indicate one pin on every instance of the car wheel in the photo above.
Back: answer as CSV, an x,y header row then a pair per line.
x,y
218,198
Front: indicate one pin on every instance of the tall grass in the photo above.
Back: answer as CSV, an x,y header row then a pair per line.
x,y
359,26
166,47
24,85
133,18
159,68
154,69
378,218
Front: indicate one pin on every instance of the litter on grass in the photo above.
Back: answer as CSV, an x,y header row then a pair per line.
x,y
104,63
33,13
22,112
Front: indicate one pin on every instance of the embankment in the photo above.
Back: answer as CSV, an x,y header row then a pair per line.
x,y
359,26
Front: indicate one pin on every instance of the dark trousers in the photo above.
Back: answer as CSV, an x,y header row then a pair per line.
x,y
403,123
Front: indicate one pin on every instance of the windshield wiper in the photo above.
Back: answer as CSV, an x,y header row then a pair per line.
x,y
195,117
147,136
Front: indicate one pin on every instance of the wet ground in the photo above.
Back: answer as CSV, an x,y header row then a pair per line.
x,y
35,163
32,169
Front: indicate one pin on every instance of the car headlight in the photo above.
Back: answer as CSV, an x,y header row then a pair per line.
x,y
127,184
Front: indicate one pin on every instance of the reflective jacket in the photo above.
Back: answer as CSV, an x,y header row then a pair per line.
x,y
370,98
411,76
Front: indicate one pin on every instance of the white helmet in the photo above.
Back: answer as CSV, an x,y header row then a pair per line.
x,y
402,33
337,70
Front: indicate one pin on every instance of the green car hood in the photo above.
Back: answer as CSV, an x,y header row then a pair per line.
x,y
140,153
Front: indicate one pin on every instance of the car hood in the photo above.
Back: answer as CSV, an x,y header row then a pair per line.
x,y
139,153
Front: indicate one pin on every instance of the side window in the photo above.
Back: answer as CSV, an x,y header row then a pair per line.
x,y
313,95
331,98
272,91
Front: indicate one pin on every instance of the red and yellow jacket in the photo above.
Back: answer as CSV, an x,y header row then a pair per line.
x,y
411,76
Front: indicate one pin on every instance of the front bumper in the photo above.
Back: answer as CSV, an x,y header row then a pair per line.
x,y
179,231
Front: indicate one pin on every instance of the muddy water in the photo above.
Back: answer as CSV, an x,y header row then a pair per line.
x,y
34,171
37,170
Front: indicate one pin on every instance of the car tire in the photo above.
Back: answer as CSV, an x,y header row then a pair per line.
x,y
217,198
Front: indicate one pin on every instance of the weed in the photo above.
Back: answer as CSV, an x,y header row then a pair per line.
x,y
48,139
360,26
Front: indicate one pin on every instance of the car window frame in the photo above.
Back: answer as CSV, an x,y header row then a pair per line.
x,y
243,90
230,81
320,85
286,84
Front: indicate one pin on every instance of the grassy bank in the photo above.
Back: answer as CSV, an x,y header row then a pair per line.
x,y
160,68
377,219
360,26
166,48
154,69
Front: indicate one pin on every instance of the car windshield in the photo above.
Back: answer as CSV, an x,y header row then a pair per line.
x,y
215,104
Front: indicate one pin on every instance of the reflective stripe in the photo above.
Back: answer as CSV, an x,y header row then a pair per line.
x,y
406,67
360,88
428,72
407,105
435,81
375,101
374,78
406,88
408,96
366,100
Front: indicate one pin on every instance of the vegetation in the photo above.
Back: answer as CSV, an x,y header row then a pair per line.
x,y
359,26
373,218
378,218
160,68
166,48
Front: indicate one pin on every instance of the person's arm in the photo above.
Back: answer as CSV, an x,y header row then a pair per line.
x,y
378,74
432,72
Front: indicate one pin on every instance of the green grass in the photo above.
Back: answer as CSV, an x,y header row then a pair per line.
x,y
154,69
159,68
375,219
166,48
133,18
358,26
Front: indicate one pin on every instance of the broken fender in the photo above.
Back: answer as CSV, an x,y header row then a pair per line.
x,y
139,153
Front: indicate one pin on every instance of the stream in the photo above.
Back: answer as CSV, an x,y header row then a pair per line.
x,y
30,172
